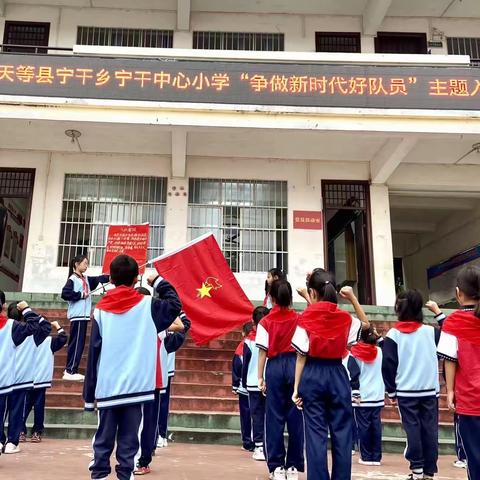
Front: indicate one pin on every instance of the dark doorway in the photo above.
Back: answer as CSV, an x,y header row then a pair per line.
x,y
31,34
347,236
393,42
16,189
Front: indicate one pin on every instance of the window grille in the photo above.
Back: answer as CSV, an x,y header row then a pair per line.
x,y
337,42
345,195
248,218
125,37
265,42
16,183
92,202
465,46
26,33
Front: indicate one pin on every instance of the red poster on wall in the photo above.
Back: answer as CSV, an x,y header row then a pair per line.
x,y
129,240
307,220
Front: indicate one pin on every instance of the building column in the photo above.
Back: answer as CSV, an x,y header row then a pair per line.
x,y
382,246
176,215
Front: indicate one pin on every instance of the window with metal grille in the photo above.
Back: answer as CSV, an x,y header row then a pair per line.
x,y
125,37
337,42
92,202
465,46
16,183
248,218
30,34
264,42
345,195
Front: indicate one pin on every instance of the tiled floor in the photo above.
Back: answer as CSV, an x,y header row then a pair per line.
x,y
68,460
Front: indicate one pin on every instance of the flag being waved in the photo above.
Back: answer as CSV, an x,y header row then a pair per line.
x,y
210,294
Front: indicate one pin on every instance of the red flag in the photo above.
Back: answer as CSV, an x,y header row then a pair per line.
x,y
211,296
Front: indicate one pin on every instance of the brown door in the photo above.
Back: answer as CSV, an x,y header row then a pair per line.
x,y
346,209
16,189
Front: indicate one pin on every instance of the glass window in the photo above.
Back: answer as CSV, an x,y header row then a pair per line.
x,y
92,202
248,218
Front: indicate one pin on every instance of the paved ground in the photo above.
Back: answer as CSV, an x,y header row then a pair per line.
x,y
68,460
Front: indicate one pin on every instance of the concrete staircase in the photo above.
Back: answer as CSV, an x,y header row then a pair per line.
x,y
204,409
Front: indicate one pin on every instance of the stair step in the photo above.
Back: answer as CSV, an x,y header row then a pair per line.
x,y
205,353
202,376
204,364
201,390
189,403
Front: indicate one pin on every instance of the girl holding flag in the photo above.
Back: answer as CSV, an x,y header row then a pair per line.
x,y
322,387
460,347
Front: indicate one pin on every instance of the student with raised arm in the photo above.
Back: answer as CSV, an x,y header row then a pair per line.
x,y
322,388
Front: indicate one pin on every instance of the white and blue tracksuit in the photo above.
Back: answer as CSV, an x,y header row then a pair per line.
x,y
44,367
77,293
410,373
121,376
353,371
255,396
243,403
368,413
12,335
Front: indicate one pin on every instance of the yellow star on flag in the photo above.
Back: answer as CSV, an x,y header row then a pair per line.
x,y
204,291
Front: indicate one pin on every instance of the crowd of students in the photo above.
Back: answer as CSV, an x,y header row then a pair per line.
x,y
320,373
325,372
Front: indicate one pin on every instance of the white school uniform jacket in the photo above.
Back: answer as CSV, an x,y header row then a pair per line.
x,y
44,364
372,387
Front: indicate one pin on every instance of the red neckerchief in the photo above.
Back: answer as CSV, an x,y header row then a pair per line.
x,y
365,352
120,300
3,321
278,314
252,335
325,320
265,300
464,325
407,326
239,350
84,284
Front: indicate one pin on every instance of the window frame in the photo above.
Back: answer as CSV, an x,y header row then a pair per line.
x,y
346,35
29,48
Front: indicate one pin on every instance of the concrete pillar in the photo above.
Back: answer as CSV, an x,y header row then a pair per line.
x,y
367,44
176,215
182,39
382,246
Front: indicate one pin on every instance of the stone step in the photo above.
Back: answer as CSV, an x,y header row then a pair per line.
x,y
204,365
204,404
202,376
201,390
205,353
215,344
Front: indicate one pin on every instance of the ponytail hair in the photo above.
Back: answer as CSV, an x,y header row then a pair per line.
x,y
468,282
275,272
409,306
281,293
77,259
323,283
369,336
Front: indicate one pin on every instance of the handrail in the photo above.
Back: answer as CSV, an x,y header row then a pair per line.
x,y
38,49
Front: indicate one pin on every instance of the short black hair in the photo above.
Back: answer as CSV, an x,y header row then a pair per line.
x,y
2,298
123,271
369,336
13,312
143,290
409,306
281,293
259,313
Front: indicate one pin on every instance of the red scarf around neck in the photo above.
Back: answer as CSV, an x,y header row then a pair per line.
x,y
325,320
120,300
464,325
278,314
407,326
365,352
239,350
253,334
3,321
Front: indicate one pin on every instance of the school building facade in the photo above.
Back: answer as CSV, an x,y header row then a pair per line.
x,y
303,134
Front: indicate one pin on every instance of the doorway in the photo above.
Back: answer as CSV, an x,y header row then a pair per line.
x,y
346,210
16,189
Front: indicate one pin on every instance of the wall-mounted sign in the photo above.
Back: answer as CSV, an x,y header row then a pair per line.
x,y
307,85
307,220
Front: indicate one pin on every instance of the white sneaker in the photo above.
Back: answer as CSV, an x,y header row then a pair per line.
x,y
11,448
278,474
460,464
73,377
362,462
353,453
161,442
292,474
258,454
376,464
165,443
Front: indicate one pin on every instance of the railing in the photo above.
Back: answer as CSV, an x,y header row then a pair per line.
x,y
29,49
